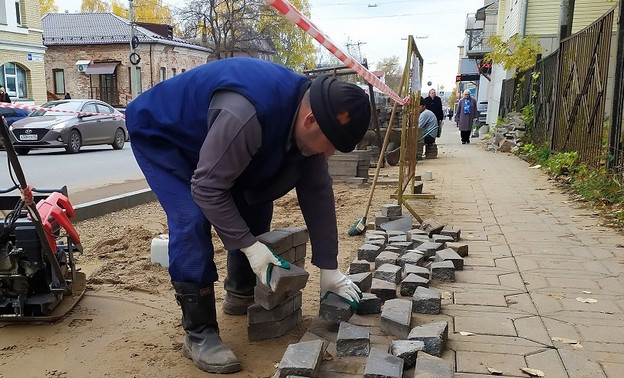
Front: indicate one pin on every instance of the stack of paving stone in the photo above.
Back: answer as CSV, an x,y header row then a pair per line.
x,y
431,151
351,167
278,311
394,330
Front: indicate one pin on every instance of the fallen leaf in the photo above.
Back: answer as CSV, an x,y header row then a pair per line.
x,y
494,371
533,372
327,356
464,333
276,365
586,300
586,292
535,166
447,295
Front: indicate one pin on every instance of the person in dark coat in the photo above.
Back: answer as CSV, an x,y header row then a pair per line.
x,y
241,133
4,97
67,96
434,103
466,115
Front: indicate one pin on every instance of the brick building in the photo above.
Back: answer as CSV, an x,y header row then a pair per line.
x,y
88,56
22,63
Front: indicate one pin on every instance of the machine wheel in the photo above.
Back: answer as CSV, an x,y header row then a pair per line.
x,y
74,142
393,153
22,150
120,139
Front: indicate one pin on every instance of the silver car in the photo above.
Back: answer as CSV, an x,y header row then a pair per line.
x,y
70,130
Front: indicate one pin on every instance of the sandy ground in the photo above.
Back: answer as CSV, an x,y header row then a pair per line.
x,y
128,324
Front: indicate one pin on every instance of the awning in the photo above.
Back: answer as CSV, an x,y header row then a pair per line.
x,y
101,68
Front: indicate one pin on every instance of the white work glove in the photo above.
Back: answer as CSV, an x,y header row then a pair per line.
x,y
334,281
262,259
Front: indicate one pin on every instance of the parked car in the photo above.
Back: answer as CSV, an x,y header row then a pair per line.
x,y
11,115
51,129
482,108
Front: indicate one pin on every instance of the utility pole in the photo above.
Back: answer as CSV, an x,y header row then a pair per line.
x,y
618,97
566,17
358,44
134,57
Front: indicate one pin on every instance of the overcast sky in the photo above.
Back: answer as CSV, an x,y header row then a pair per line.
x,y
380,28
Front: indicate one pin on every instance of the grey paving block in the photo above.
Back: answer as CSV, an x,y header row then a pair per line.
x,y
373,234
270,330
266,298
437,238
299,235
335,310
352,340
434,335
399,238
429,248
359,266
303,359
428,366
386,257
406,350
391,210
418,188
379,242
288,255
257,314
417,270
403,224
418,232
381,219
431,226
410,283
413,257
288,280
300,252
278,240
369,304
368,252
392,248
455,233
384,290
396,316
426,301
362,280
443,271
403,246
449,254
388,272
460,248
381,364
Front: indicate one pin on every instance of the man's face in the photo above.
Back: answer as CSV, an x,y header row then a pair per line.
x,y
310,138
432,93
467,95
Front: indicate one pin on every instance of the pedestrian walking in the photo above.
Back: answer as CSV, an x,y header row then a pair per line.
x,y
434,103
238,134
4,96
466,115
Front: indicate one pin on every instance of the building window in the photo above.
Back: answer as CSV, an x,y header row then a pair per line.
x,y
18,13
138,80
173,72
13,78
163,73
59,81
3,16
183,70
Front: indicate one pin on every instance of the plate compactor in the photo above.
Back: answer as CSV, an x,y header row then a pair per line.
x,y
38,277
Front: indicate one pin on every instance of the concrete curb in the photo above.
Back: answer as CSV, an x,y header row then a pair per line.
x,y
103,206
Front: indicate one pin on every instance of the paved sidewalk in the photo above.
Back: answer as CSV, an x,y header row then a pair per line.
x,y
534,254
535,258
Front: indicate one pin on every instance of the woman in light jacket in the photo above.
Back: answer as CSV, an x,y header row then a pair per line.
x,y
465,116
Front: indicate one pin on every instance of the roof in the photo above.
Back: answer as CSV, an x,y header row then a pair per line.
x,y
70,29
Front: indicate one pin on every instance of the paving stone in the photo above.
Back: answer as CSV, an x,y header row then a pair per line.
x,y
381,364
392,248
257,314
428,366
352,340
384,290
335,310
388,272
406,350
369,304
375,234
426,301
299,235
391,210
288,280
403,246
449,254
386,257
380,242
300,252
303,359
460,248
403,223
362,280
359,266
368,252
410,283
288,255
398,238
278,240
443,271
434,335
412,257
266,298
441,238
393,233
431,226
417,270
396,316
455,233
278,328
429,248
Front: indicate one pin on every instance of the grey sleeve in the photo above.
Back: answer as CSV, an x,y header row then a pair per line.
x,y
316,200
234,136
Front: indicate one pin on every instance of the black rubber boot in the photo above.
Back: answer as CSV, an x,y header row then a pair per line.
x,y
202,343
239,284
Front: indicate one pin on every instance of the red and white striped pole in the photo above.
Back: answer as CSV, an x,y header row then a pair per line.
x,y
296,17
